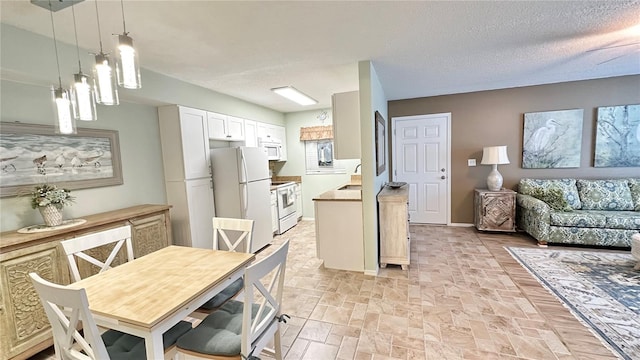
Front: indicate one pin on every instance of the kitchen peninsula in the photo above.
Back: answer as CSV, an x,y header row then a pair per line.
x,y
339,234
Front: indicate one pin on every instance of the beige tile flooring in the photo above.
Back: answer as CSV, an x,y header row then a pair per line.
x,y
463,297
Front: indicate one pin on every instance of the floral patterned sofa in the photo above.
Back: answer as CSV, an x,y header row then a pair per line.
x,y
577,211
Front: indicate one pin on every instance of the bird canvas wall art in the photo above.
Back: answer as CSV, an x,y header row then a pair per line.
x,y
552,139
618,136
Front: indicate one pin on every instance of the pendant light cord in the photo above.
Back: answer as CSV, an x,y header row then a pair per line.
x,y
75,30
124,25
55,43
98,21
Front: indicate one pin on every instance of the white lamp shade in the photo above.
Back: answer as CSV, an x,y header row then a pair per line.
x,y
65,123
127,66
494,155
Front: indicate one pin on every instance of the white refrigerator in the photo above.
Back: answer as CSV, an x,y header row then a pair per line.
x,y
241,189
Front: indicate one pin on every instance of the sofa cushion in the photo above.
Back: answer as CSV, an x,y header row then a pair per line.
x,y
553,197
629,220
579,218
604,194
634,186
568,187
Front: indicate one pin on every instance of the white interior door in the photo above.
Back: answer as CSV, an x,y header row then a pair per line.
x,y
421,152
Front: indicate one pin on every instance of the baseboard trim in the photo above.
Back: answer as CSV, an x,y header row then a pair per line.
x,y
461,224
371,272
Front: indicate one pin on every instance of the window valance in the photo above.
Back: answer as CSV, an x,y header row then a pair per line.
x,y
316,133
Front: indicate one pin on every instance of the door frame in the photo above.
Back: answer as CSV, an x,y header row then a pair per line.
x,y
394,120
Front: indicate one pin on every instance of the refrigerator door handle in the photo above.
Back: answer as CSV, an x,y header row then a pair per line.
x,y
245,190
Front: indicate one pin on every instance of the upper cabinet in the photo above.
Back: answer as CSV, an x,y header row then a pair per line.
x,y
346,125
272,132
225,127
185,142
250,133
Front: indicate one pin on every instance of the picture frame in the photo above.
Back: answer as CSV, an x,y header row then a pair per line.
x,y
617,136
380,143
32,154
552,139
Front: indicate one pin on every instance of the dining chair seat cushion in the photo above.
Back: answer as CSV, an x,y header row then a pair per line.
x,y
224,295
121,346
220,333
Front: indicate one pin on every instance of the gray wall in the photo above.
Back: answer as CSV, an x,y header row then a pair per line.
x,y
497,118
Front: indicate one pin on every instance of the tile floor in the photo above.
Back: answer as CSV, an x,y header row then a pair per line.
x,y
463,297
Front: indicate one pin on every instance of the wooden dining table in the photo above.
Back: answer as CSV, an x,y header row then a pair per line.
x,y
149,295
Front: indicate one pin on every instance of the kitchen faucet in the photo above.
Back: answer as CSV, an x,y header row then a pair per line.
x,y
356,170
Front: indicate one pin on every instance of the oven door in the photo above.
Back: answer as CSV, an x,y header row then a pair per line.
x,y
286,201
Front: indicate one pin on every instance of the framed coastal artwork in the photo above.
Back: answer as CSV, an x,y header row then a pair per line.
x,y
552,139
618,136
33,154
380,143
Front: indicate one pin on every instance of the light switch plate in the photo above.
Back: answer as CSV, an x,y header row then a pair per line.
x,y
471,162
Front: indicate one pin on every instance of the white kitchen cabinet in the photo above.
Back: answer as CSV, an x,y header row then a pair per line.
x,y
225,127
185,154
299,200
346,125
271,132
274,211
250,133
339,234
185,142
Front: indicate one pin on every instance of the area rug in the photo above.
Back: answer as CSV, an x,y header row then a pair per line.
x,y
600,288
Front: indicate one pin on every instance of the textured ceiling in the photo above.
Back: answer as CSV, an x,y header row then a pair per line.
x,y
418,48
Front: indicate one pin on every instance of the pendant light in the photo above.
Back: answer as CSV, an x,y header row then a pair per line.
x,y
103,77
82,95
127,67
65,123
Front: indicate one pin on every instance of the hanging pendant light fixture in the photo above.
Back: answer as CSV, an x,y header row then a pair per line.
x,y
65,123
103,78
82,95
127,66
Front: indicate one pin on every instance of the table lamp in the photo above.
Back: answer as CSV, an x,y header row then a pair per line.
x,y
494,155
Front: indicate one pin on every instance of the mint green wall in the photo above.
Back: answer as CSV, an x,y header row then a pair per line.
x,y
312,185
28,70
372,98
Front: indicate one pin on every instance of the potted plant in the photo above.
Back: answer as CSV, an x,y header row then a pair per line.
x,y
49,199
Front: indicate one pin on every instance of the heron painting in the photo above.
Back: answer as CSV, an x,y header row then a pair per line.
x,y
552,139
618,136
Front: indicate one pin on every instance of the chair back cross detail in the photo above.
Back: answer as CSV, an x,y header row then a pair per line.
x,y
78,248
224,228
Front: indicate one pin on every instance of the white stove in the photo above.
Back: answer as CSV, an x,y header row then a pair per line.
x,y
286,206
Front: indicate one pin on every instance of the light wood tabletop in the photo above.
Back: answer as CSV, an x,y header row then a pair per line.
x,y
147,296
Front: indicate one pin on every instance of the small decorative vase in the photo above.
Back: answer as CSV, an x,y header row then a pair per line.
x,y
51,214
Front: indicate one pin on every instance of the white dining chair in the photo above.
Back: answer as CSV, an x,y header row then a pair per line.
x,y
121,236
68,311
218,336
231,235
78,248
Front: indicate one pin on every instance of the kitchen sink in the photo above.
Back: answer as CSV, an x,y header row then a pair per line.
x,y
350,187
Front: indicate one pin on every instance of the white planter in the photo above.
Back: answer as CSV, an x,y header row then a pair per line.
x,y
51,214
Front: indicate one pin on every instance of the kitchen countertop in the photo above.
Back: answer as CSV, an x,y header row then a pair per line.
x,y
341,195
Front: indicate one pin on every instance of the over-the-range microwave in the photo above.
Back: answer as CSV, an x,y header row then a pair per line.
x,y
273,147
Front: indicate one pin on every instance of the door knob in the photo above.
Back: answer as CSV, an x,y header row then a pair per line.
x,y
443,177
442,169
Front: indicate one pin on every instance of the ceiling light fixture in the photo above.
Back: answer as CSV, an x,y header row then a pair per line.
x,y
103,79
127,66
65,123
82,95
294,95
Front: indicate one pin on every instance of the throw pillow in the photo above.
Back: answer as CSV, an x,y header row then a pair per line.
x,y
553,197
634,186
605,194
567,186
